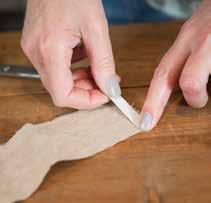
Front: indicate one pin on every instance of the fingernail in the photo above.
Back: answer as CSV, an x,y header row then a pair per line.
x,y
146,121
113,88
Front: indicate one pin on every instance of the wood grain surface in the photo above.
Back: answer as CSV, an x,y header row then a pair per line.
x,y
170,164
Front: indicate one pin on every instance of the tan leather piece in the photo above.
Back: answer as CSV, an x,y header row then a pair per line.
x,y
31,152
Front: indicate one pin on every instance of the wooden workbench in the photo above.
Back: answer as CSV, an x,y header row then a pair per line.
x,y
170,164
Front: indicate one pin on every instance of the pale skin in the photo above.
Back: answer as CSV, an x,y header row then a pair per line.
x,y
52,35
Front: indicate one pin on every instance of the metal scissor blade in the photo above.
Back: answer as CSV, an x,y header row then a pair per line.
x,y
18,71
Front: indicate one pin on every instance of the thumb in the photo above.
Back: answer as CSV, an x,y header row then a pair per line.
x,y
99,52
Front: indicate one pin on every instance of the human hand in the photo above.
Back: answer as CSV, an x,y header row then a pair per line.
x,y
53,31
187,62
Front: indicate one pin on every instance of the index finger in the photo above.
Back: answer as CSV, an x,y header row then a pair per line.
x,y
58,79
164,79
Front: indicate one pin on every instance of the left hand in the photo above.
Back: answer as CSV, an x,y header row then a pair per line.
x,y
188,62
53,31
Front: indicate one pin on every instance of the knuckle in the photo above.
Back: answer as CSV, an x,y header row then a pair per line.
x,y
98,27
44,46
190,86
105,64
166,71
161,73
58,100
26,45
60,96
187,29
101,25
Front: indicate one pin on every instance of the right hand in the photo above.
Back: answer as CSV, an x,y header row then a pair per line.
x,y
51,35
187,64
